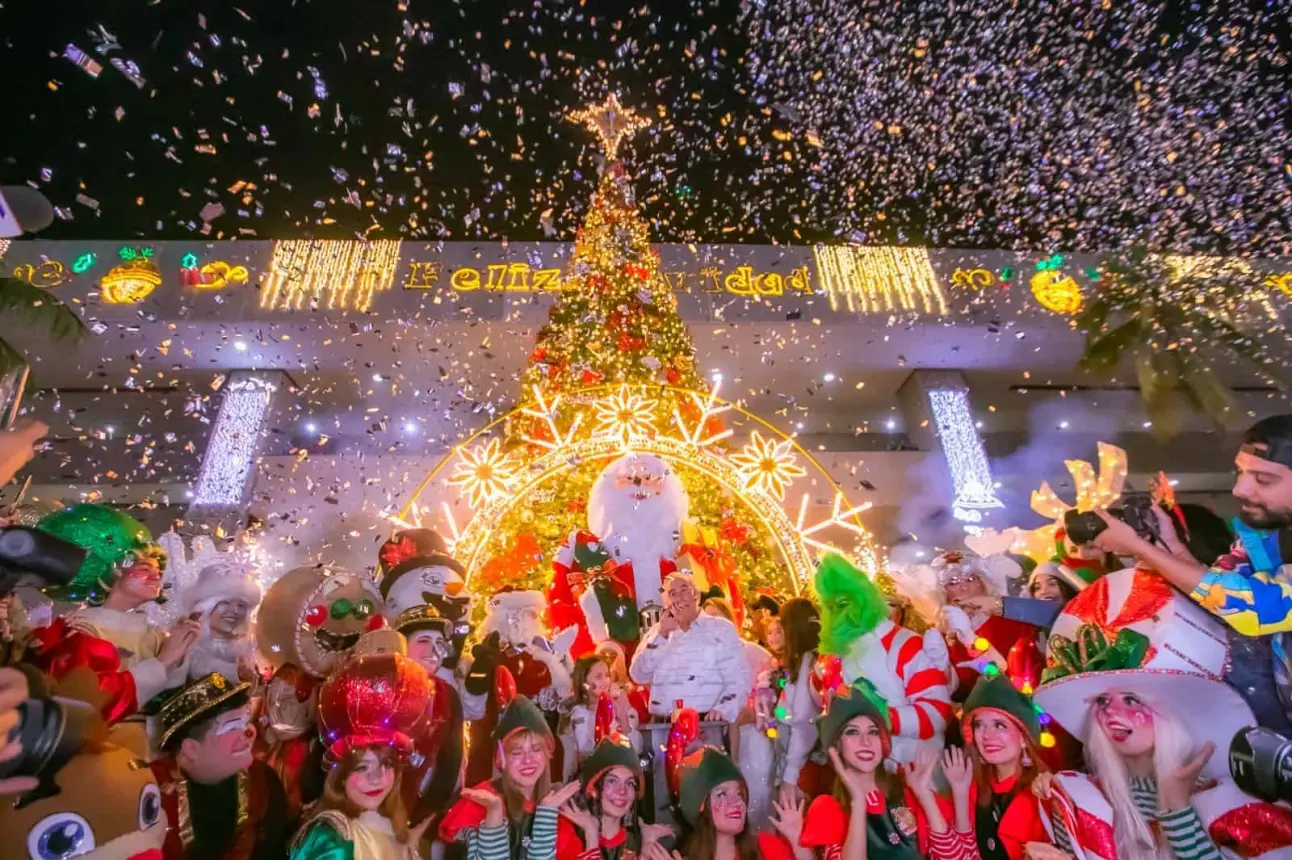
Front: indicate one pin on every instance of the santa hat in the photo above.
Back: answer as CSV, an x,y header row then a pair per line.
x,y
226,579
516,600
1131,630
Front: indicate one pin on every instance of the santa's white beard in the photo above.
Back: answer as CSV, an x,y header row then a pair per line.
x,y
643,545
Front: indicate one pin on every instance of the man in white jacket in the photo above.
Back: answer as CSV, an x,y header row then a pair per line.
x,y
693,658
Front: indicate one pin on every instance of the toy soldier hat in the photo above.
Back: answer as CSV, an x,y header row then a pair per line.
x,y
423,617
199,700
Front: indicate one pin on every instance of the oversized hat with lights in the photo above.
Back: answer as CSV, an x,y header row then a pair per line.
x,y
1131,630
111,537
375,700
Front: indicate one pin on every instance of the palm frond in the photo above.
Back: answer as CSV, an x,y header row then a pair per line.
x,y
30,307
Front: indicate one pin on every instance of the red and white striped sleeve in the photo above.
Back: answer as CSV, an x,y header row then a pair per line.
x,y
929,709
953,846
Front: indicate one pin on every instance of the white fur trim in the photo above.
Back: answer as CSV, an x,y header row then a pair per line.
x,y
598,629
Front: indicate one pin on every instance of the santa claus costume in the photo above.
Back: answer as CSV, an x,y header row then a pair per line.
x,y
112,636
1135,673
514,638
857,632
635,512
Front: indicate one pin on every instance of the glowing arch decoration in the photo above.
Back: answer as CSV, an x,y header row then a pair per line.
x,y
588,428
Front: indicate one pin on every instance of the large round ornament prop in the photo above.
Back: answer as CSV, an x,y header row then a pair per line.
x,y
377,699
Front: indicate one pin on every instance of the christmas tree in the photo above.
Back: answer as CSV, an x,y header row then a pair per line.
x,y
613,371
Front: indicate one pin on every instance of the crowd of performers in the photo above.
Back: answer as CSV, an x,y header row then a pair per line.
x,y
644,706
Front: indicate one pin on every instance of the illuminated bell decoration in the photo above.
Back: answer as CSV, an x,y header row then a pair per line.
x,y
131,282
1056,292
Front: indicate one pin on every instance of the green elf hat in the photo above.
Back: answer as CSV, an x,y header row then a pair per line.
x,y
702,772
521,715
859,700
998,693
607,754
110,537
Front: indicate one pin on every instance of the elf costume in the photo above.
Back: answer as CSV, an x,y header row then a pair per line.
x,y
378,700
1132,632
892,824
702,772
855,628
240,818
626,844
1011,818
530,836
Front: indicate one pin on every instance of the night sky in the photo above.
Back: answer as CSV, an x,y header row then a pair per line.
x,y
994,125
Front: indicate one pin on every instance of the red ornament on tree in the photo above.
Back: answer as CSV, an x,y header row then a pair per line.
x,y
377,699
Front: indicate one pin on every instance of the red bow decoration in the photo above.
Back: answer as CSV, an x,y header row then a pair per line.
x,y
396,551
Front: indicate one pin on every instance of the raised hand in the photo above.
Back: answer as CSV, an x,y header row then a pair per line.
x,y
654,833
958,769
495,814
582,818
920,776
1175,788
787,818
853,780
561,795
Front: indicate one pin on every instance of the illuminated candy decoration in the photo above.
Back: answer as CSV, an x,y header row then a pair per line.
x,y
133,280
214,275
84,262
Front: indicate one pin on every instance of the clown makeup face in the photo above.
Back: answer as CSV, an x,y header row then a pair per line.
x,y
618,790
1265,489
141,581
997,738
221,749
371,780
228,618
728,806
861,744
682,599
428,648
775,636
962,584
525,756
1127,721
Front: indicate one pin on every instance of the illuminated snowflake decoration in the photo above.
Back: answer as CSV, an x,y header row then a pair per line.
x,y
624,416
768,465
484,473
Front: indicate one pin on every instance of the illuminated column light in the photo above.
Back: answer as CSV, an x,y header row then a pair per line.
x,y
230,455
878,280
331,274
970,471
